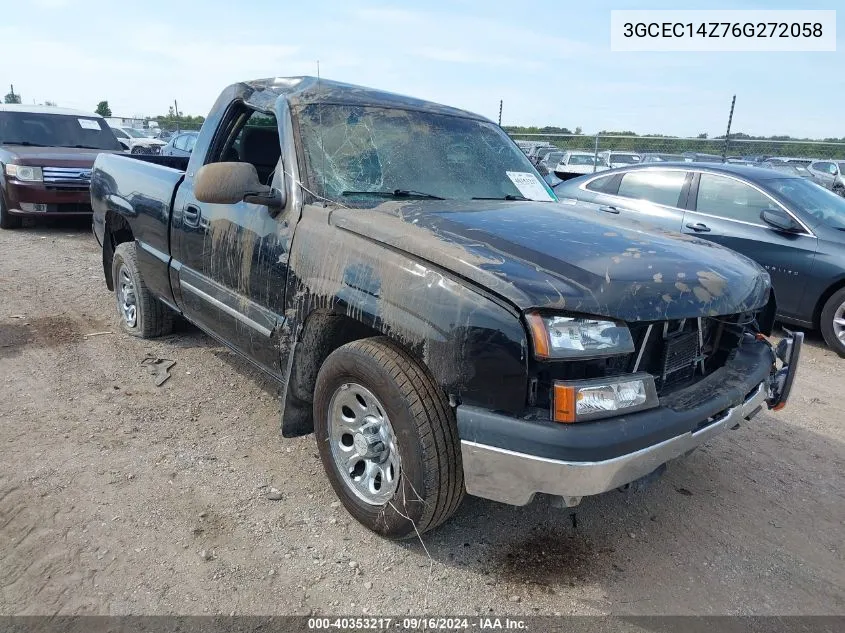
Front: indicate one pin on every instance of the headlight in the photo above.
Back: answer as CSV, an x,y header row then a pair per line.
x,y
25,173
582,400
578,337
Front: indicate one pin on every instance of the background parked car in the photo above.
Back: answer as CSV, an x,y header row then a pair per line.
x,y
791,160
541,151
830,174
699,157
787,168
621,159
790,225
551,160
180,144
46,155
137,141
574,164
658,157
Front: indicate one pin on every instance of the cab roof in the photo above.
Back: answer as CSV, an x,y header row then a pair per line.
x,y
304,91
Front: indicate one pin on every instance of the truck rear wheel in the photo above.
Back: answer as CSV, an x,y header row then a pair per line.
x,y
7,220
141,314
387,438
832,322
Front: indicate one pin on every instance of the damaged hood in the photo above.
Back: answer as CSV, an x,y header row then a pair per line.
x,y
568,257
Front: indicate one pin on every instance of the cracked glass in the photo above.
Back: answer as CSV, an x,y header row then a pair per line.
x,y
352,151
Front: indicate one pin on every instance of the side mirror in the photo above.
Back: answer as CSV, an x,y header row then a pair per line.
x,y
780,220
230,183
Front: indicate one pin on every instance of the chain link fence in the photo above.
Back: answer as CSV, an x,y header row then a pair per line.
x,y
663,148
162,127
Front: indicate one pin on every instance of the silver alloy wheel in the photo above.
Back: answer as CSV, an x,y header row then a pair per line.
x,y
839,322
126,297
363,444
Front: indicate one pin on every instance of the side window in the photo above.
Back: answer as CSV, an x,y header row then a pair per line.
x,y
661,187
604,184
179,143
119,133
731,199
248,136
823,166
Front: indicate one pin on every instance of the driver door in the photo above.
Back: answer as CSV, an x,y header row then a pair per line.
x,y
234,257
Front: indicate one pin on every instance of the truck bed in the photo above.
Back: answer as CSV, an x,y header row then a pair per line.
x,y
174,162
140,188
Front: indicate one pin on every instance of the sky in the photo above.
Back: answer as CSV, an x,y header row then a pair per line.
x,y
550,63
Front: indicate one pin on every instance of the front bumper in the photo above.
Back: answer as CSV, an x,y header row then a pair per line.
x,y
510,460
59,201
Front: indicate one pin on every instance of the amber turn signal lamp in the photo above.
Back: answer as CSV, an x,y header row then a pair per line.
x,y
564,403
538,335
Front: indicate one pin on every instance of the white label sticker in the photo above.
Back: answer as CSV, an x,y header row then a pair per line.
x,y
529,185
89,124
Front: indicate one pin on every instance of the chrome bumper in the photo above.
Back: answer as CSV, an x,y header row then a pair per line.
x,y
514,478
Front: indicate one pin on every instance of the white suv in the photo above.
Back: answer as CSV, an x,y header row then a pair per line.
x,y
137,141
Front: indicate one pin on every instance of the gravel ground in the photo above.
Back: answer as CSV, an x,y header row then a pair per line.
x,y
117,496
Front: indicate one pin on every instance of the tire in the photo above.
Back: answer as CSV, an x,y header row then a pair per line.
x,y
424,445
7,220
832,322
150,317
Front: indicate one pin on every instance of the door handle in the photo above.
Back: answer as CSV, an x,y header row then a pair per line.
x,y
192,215
609,209
698,227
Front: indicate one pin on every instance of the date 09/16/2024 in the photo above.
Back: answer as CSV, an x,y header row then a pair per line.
x,y
416,624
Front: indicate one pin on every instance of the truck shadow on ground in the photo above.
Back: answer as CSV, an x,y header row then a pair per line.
x,y
745,517
755,515
188,336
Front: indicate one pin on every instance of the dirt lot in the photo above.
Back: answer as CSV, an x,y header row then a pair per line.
x,y
117,496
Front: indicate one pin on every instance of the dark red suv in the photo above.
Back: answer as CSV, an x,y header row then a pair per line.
x,y
46,155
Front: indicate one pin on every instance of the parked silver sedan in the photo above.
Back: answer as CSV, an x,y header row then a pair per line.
x,y
830,174
180,144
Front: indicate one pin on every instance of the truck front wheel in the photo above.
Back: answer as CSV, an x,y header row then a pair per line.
x,y
141,314
387,438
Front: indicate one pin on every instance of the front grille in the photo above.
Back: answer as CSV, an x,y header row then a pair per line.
x,y
681,353
77,177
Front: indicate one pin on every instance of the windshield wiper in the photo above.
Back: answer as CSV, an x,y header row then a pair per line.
x,y
396,193
508,196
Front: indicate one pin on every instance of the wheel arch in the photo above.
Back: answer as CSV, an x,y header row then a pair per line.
x,y
463,353
823,298
117,231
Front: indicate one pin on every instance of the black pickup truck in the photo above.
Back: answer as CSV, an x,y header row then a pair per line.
x,y
434,315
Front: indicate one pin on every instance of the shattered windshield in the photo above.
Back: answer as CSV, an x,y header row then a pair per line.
x,y
361,155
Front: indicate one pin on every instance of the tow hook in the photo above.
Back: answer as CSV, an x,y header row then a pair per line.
x,y
788,351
